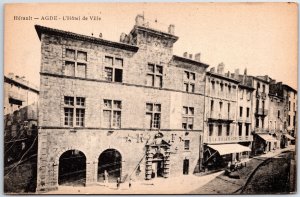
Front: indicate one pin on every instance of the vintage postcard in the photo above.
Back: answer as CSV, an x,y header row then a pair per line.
x,y
150,98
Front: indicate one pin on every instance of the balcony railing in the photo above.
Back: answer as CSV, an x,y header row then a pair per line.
x,y
261,112
220,116
260,130
222,139
16,96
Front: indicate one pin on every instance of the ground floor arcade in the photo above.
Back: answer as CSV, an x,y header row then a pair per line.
x,y
105,158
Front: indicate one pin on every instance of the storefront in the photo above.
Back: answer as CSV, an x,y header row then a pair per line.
x,y
219,155
266,143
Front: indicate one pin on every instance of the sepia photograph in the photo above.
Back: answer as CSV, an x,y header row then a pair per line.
x,y
150,98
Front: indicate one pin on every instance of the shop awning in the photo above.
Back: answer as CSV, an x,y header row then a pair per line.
x,y
289,136
267,137
225,149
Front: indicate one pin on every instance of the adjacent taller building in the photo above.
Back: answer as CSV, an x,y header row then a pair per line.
x,y
227,135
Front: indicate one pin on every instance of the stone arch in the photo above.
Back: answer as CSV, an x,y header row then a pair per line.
x,y
110,160
71,167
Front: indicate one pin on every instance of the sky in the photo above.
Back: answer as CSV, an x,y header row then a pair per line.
x,y
262,37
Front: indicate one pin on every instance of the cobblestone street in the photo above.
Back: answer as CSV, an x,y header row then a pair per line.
x,y
224,185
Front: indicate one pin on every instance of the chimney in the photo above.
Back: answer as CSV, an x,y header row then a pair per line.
x,y
139,20
185,54
236,73
197,57
171,29
100,35
122,37
126,40
212,69
191,56
245,71
220,69
227,74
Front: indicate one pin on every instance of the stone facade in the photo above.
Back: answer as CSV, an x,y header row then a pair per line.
x,y
146,53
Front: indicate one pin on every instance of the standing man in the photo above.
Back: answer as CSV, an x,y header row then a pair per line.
x,y
105,176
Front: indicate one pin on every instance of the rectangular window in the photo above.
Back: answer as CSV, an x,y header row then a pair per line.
x,y
241,111
113,69
81,55
79,117
112,110
154,75
211,105
189,81
211,129
278,114
257,122
228,130
186,144
294,121
72,106
69,116
289,105
75,64
222,87
108,73
81,70
248,112
70,68
289,120
247,129
188,118
153,115
220,130
240,129
221,106
70,54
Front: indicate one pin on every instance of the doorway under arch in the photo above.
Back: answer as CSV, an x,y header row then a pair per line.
x,y
72,168
111,161
158,165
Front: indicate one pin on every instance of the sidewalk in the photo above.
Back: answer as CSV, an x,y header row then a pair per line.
x,y
224,185
186,184
173,185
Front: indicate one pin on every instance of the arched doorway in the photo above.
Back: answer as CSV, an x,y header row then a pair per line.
x,y
111,161
72,168
158,165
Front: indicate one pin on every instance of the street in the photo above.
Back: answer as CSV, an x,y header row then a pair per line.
x,y
272,177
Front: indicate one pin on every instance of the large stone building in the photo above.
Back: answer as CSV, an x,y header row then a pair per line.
x,y
131,108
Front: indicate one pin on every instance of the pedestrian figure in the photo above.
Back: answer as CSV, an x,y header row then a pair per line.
x,y
129,183
118,182
105,176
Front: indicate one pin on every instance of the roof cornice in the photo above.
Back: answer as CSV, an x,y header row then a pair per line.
x,y
41,29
